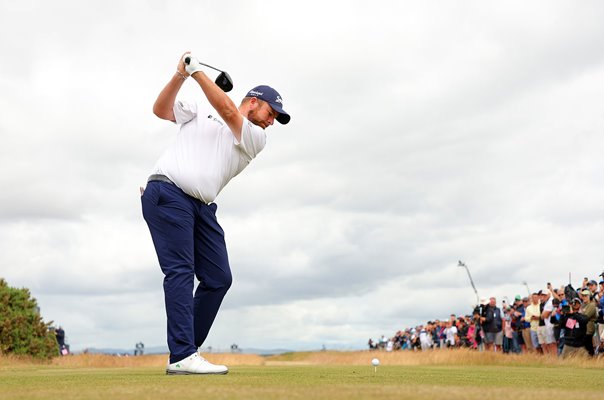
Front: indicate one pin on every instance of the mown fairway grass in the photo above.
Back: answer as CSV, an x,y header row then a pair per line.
x,y
279,378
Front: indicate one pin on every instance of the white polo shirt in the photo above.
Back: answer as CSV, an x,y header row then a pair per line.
x,y
205,154
549,306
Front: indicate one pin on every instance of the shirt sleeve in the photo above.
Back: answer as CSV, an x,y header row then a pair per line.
x,y
253,139
184,111
590,312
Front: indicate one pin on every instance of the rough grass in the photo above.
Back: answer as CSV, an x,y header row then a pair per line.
x,y
321,375
109,361
458,357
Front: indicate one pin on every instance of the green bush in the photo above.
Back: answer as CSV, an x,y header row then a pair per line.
x,y
22,331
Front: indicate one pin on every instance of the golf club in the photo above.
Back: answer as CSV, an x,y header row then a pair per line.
x,y
223,80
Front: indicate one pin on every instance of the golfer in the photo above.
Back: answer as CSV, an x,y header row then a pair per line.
x,y
215,142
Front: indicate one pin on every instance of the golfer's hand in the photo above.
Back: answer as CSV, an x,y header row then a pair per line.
x,y
181,67
193,65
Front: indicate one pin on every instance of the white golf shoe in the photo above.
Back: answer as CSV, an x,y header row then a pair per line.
x,y
195,364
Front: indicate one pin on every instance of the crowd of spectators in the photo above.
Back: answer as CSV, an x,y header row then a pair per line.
x,y
552,321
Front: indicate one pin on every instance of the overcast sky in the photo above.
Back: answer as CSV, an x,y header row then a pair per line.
x,y
422,133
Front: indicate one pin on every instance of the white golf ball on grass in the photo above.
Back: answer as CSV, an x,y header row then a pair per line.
x,y
375,362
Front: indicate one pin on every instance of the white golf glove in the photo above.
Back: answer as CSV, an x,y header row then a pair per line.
x,y
193,65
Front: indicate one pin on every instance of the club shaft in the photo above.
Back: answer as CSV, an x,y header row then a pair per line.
x,y
209,66
188,60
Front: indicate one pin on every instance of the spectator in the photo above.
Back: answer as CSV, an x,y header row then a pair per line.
x,y
532,315
493,325
555,321
450,334
425,339
600,318
477,320
574,324
593,288
516,315
139,349
415,343
526,326
589,309
546,328
561,294
382,343
557,297
462,332
507,328
472,333
483,304
60,335
405,340
453,320
398,340
435,333
441,334
514,321
390,345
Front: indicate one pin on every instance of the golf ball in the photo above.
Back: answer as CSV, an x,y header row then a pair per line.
x,y
375,362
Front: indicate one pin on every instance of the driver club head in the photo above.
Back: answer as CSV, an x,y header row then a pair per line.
x,y
224,81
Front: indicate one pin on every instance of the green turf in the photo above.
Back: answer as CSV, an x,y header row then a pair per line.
x,y
304,382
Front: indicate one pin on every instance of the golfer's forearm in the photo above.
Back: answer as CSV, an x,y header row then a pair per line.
x,y
164,105
217,98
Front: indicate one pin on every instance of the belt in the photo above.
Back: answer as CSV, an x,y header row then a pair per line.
x,y
161,178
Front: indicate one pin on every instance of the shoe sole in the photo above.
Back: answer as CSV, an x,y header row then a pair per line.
x,y
168,372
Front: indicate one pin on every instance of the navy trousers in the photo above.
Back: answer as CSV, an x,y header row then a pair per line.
x,y
189,243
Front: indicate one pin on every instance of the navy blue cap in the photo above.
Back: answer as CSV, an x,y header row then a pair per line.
x,y
272,97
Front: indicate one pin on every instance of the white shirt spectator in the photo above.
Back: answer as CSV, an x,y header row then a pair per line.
x,y
450,333
549,306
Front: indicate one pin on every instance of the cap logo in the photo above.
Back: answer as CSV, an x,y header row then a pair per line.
x,y
279,100
255,93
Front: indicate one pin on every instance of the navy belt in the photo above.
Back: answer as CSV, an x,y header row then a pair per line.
x,y
161,178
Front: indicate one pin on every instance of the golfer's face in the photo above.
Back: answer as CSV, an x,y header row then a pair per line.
x,y
262,115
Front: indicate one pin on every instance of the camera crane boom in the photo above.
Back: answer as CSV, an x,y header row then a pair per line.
x,y
461,264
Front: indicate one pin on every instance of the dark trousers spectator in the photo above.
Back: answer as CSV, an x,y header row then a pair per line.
x,y
515,342
588,343
507,344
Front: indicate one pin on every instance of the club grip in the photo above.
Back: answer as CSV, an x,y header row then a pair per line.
x,y
187,60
